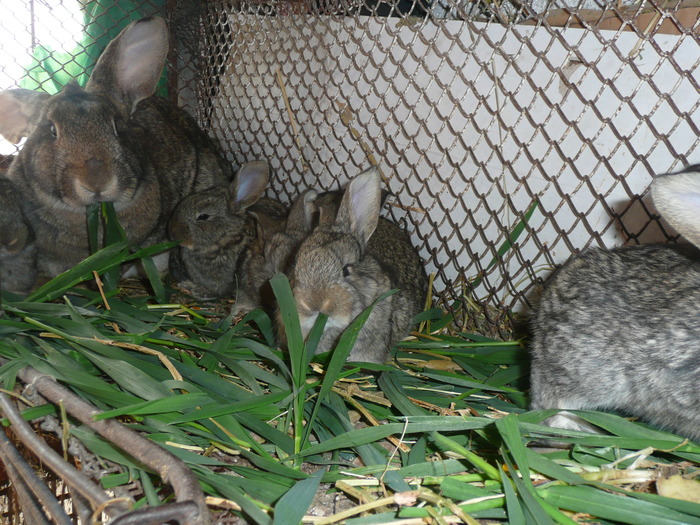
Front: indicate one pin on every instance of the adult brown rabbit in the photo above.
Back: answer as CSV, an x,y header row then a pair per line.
x,y
110,142
343,266
217,228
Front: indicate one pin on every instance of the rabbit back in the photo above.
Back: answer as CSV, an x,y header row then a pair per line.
x,y
618,330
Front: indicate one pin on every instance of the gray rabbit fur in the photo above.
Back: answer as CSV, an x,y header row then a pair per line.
x,y
17,248
343,266
310,210
112,141
618,329
219,229
272,252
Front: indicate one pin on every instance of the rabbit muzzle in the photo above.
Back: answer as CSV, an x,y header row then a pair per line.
x,y
179,231
93,182
335,302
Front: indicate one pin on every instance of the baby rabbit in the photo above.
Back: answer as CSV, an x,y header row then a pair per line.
x,y
342,267
618,329
272,252
217,228
17,249
112,141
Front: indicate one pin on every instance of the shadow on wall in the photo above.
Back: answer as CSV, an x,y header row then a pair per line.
x,y
638,221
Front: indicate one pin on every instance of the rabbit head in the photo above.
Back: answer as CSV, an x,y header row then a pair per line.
x,y
217,227
109,142
281,248
73,136
341,268
617,329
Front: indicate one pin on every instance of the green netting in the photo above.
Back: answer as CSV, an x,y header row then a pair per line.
x,y
52,69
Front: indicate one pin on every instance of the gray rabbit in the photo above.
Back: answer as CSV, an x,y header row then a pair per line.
x,y
17,248
344,265
219,229
112,141
618,329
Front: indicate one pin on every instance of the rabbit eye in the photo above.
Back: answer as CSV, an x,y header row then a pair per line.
x,y
52,130
202,216
347,270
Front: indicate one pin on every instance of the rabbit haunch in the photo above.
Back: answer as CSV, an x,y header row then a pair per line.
x,y
343,266
618,329
112,141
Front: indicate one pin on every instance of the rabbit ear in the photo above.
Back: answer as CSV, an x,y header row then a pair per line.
x,y
257,245
677,197
358,214
249,184
301,215
327,215
19,111
130,66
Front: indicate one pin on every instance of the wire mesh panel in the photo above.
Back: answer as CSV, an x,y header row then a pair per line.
x,y
511,134
49,43
485,120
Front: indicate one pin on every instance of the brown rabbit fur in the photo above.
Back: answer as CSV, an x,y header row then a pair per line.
x,y
220,229
272,252
112,141
17,249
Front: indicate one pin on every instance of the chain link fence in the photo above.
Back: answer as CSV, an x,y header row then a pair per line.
x,y
485,118
511,134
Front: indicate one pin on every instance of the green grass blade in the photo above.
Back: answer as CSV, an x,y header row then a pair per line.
x,y
178,403
100,261
291,507
153,276
290,320
516,514
113,234
92,212
537,510
338,359
614,507
508,243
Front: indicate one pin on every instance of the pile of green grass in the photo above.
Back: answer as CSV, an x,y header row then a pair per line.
x,y
441,434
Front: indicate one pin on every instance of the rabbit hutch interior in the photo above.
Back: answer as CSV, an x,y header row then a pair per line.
x,y
507,135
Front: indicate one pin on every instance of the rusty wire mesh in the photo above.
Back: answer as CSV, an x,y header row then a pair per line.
x,y
474,111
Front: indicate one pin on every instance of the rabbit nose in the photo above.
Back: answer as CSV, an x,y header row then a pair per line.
x,y
177,231
97,192
316,302
92,177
